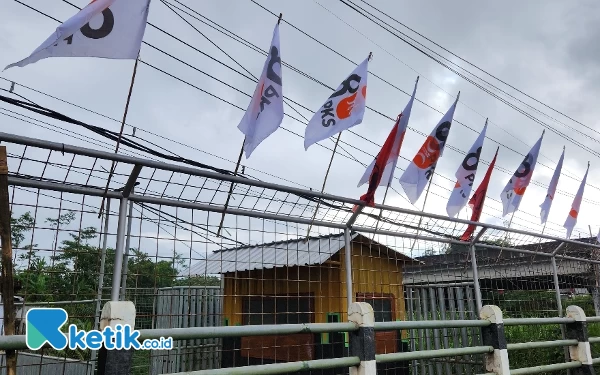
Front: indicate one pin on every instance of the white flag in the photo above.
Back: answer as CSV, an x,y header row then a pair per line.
x,y
545,206
111,29
572,218
465,175
420,170
344,109
390,167
515,187
265,112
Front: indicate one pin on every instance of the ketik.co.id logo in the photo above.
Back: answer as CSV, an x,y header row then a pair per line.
x,y
44,326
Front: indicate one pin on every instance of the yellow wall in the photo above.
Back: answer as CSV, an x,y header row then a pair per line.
x,y
373,271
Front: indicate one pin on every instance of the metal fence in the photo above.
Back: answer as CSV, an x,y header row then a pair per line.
x,y
408,265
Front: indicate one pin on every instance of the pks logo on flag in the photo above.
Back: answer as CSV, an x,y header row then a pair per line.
x,y
111,29
344,109
465,176
381,170
572,218
265,112
547,204
515,187
419,171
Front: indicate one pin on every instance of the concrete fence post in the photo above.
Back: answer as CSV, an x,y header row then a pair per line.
x,y
493,335
579,331
362,342
116,362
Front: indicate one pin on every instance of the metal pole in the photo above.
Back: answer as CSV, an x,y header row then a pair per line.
x,y
348,259
556,287
126,256
101,274
476,279
559,305
116,281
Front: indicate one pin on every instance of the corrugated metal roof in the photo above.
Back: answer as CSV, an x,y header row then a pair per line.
x,y
271,255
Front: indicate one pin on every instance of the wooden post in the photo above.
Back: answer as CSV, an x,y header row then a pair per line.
x,y
7,263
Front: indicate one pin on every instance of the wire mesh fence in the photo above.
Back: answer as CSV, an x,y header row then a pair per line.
x,y
181,269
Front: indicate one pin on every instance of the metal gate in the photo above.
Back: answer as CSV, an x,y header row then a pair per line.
x,y
443,302
182,307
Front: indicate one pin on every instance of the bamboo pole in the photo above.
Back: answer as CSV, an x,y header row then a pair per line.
x,y
237,167
7,263
324,183
422,210
112,167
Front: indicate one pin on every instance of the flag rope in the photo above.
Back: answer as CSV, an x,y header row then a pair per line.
x,y
112,168
323,187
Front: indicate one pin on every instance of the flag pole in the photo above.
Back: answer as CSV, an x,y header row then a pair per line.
x,y
237,167
327,174
112,168
235,171
422,210
387,188
323,187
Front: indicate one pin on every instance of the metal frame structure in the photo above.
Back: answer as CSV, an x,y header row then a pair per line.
x,y
127,195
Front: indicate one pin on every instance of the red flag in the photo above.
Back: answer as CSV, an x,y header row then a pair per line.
x,y
476,202
380,163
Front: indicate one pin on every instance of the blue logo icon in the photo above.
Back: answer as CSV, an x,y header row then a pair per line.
x,y
43,326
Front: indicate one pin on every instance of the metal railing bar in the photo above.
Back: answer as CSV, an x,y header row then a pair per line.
x,y
192,333
536,321
546,368
594,340
540,344
593,319
279,368
429,354
424,324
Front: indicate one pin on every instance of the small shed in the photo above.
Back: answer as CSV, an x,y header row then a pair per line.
x,y
303,281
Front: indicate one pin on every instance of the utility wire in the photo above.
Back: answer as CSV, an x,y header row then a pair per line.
x,y
482,70
170,74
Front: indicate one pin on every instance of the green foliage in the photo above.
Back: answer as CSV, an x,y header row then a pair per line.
x,y
200,280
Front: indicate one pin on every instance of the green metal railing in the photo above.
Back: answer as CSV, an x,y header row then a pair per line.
x,y
18,343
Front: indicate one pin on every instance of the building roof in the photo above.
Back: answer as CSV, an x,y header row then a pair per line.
x,y
289,253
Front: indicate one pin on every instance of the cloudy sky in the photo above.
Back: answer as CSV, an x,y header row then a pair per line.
x,y
544,48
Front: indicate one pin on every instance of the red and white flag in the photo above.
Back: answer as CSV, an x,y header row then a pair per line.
x,y
478,199
465,176
111,29
515,187
415,177
381,170
572,218
265,112
344,109
547,204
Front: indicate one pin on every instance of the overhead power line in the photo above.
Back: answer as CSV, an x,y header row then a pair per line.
x,y
481,69
231,103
